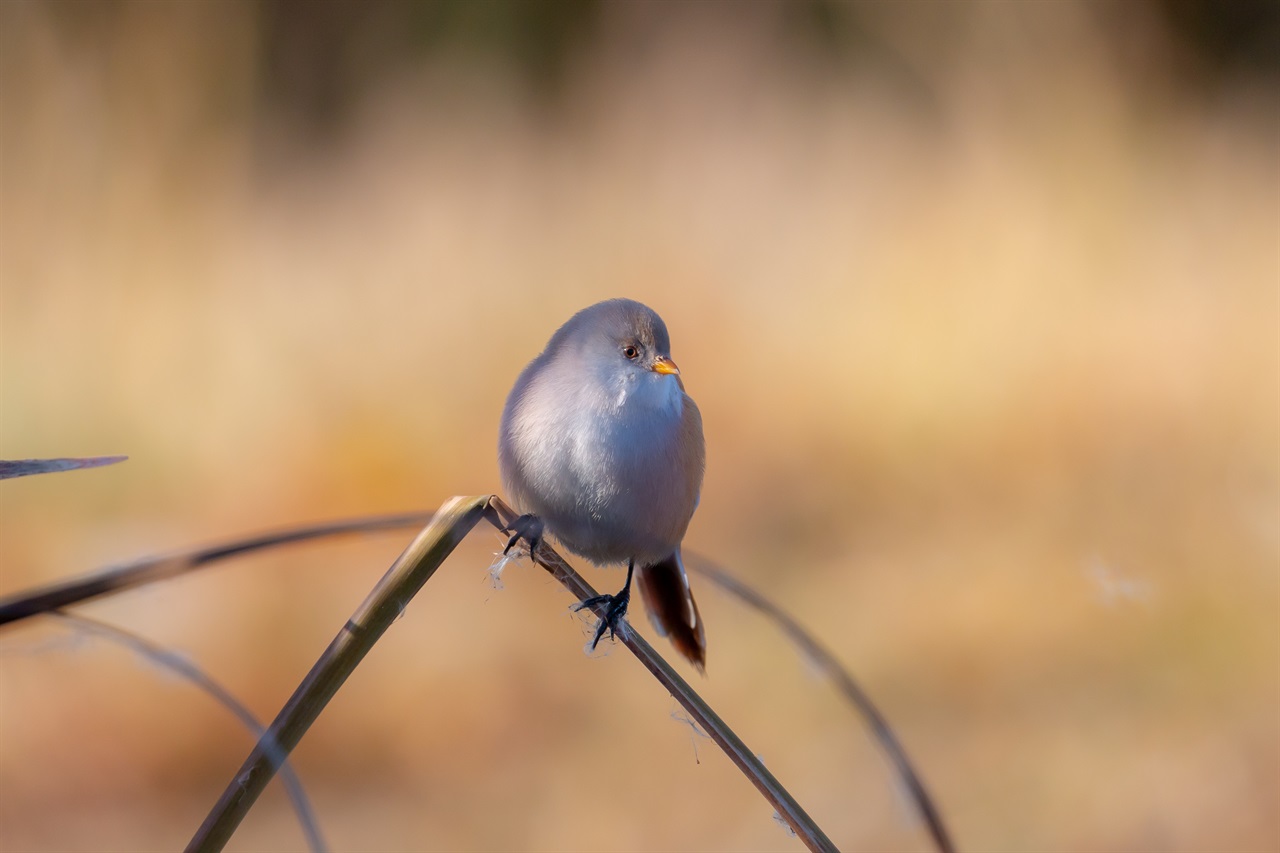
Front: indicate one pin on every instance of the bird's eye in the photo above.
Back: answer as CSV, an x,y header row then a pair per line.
x,y
630,351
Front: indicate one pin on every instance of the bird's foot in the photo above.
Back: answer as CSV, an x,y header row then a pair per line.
x,y
616,609
527,527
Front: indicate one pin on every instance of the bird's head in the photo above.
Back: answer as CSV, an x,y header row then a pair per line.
x,y
625,345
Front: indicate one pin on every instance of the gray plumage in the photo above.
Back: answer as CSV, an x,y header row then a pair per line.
x,y
600,441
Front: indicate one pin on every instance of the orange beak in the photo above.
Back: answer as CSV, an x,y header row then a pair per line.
x,y
664,365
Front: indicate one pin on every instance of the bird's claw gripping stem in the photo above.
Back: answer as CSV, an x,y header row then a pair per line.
x,y
527,527
617,608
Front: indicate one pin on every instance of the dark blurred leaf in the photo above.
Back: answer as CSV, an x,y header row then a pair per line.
x,y
320,57
1228,37
27,467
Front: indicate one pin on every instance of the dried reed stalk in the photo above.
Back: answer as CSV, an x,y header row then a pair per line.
x,y
385,604
47,599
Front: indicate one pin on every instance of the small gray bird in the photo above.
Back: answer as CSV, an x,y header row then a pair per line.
x,y
601,445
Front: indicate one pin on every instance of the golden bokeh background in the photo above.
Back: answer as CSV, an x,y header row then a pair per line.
x,y
979,302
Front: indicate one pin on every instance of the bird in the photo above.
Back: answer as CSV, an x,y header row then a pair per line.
x,y
600,446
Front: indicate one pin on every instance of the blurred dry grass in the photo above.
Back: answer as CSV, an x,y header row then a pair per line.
x,y
985,338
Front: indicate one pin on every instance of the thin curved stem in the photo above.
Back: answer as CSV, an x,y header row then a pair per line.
x,y
197,677
831,667
151,569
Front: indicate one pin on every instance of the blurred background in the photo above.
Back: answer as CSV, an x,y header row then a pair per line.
x,y
979,302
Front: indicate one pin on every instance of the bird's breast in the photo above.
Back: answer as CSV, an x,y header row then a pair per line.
x,y
606,474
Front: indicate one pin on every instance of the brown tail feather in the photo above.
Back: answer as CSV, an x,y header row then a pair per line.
x,y
672,610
